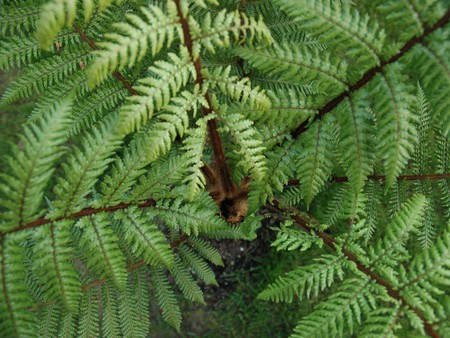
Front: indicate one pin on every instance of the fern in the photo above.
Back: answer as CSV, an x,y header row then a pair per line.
x,y
161,128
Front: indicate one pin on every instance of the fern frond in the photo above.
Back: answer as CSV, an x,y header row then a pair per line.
x,y
396,121
428,270
299,65
162,174
339,25
198,264
133,306
67,326
306,280
110,316
382,323
88,325
443,166
251,147
15,318
17,52
422,161
56,14
83,169
315,161
45,73
74,85
205,249
165,81
193,218
289,238
32,166
235,88
19,17
218,31
278,164
194,146
373,193
186,283
158,28
91,106
99,243
389,250
49,320
432,66
53,263
356,141
166,298
343,309
144,238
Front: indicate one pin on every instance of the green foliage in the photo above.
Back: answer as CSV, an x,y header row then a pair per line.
x,y
306,114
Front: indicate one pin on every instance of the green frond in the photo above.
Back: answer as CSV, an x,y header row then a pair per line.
x,y
205,249
290,238
315,162
74,85
422,161
157,28
297,64
306,280
339,24
237,89
186,283
49,320
198,264
133,306
218,31
18,17
166,298
88,325
110,311
168,170
431,64
194,146
15,317
144,237
83,168
57,14
45,73
443,166
344,309
287,105
382,323
356,136
17,52
91,107
195,218
396,121
373,209
53,264
31,167
100,244
252,159
67,326
389,250
428,270
165,80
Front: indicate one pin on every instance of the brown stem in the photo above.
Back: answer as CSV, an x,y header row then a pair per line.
x,y
339,179
331,243
216,141
118,75
85,212
370,74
